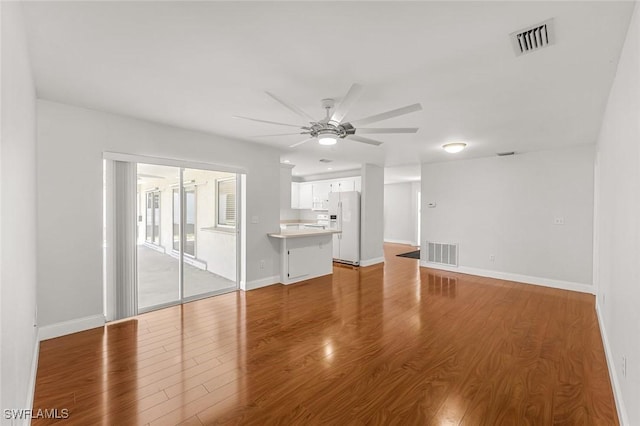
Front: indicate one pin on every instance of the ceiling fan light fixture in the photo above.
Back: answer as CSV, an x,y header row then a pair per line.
x,y
327,140
454,147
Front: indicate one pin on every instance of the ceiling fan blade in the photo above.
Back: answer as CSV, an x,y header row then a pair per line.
x,y
364,140
293,108
278,134
387,130
349,99
300,143
387,115
265,121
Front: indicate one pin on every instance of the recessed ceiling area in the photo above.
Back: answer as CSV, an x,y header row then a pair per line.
x,y
197,64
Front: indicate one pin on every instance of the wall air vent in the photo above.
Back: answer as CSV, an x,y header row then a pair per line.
x,y
533,38
445,254
325,160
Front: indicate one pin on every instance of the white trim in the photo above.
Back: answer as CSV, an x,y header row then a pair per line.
x,y
617,391
527,279
34,372
406,242
262,282
132,158
373,261
72,326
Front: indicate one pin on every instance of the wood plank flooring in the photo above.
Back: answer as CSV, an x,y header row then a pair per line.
x,y
392,344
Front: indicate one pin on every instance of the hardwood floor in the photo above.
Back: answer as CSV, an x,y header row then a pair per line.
x,y
392,344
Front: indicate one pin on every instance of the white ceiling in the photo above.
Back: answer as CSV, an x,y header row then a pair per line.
x,y
197,64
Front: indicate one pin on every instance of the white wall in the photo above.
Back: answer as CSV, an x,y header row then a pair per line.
x,y
401,213
506,206
372,215
17,215
71,141
617,249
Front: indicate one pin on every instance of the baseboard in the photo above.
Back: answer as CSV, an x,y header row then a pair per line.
x,y
527,279
262,282
617,392
373,261
405,242
71,326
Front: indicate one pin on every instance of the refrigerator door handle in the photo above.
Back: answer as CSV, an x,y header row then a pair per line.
x,y
340,215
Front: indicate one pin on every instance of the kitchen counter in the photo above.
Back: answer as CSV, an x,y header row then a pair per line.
x,y
297,233
304,253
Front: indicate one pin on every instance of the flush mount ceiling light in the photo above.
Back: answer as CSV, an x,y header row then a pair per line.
x,y
452,148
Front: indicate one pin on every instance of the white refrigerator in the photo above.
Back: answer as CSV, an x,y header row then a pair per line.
x,y
344,216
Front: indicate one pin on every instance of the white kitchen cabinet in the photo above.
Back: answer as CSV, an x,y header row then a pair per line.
x,y
346,184
295,195
315,195
305,195
321,191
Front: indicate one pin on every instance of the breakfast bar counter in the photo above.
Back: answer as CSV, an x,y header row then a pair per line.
x,y
305,254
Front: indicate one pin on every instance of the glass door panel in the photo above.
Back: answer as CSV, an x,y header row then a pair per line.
x,y
210,232
158,267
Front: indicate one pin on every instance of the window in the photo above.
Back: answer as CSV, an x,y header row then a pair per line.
x,y
226,202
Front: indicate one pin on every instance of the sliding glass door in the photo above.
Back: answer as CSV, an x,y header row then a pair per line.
x,y
188,247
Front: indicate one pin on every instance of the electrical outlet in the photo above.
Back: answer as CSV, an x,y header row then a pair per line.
x,y
558,221
624,366
492,257
262,264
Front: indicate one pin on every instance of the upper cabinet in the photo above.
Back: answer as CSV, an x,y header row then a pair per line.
x,y
344,185
306,195
321,190
295,195
315,195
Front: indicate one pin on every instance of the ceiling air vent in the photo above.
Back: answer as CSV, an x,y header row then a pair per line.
x,y
505,154
325,160
533,38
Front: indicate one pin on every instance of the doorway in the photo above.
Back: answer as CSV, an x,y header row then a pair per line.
x,y
187,235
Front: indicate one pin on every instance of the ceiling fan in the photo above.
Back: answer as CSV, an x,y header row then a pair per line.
x,y
333,127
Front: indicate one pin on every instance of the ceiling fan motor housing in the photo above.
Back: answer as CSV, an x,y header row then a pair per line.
x,y
328,129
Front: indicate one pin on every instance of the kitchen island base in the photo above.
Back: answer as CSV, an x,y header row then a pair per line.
x,y
305,255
